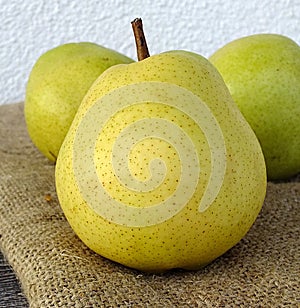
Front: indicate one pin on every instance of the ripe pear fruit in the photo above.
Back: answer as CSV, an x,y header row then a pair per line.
x,y
159,169
262,72
57,84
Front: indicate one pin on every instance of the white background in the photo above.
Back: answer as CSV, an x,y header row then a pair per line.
x,y
30,27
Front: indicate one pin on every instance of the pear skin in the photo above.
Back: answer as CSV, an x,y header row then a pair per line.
x,y
262,72
57,84
159,169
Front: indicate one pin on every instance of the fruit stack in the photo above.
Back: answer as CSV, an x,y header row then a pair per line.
x,y
163,163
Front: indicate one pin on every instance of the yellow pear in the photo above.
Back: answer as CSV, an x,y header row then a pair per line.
x,y
57,84
159,169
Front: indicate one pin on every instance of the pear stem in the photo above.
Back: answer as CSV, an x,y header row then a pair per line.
x,y
140,40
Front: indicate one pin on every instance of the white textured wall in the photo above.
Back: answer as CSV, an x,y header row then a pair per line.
x,y
30,27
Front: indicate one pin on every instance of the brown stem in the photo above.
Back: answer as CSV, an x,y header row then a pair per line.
x,y
140,40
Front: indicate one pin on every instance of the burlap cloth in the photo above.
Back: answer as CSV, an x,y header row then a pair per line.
x,y
57,270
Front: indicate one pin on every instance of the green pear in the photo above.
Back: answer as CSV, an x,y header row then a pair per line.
x,y
57,84
159,169
262,72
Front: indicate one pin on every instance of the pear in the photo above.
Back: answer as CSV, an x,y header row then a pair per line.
x,y
57,84
159,169
262,72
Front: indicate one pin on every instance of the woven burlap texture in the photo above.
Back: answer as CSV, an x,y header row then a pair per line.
x,y
57,270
